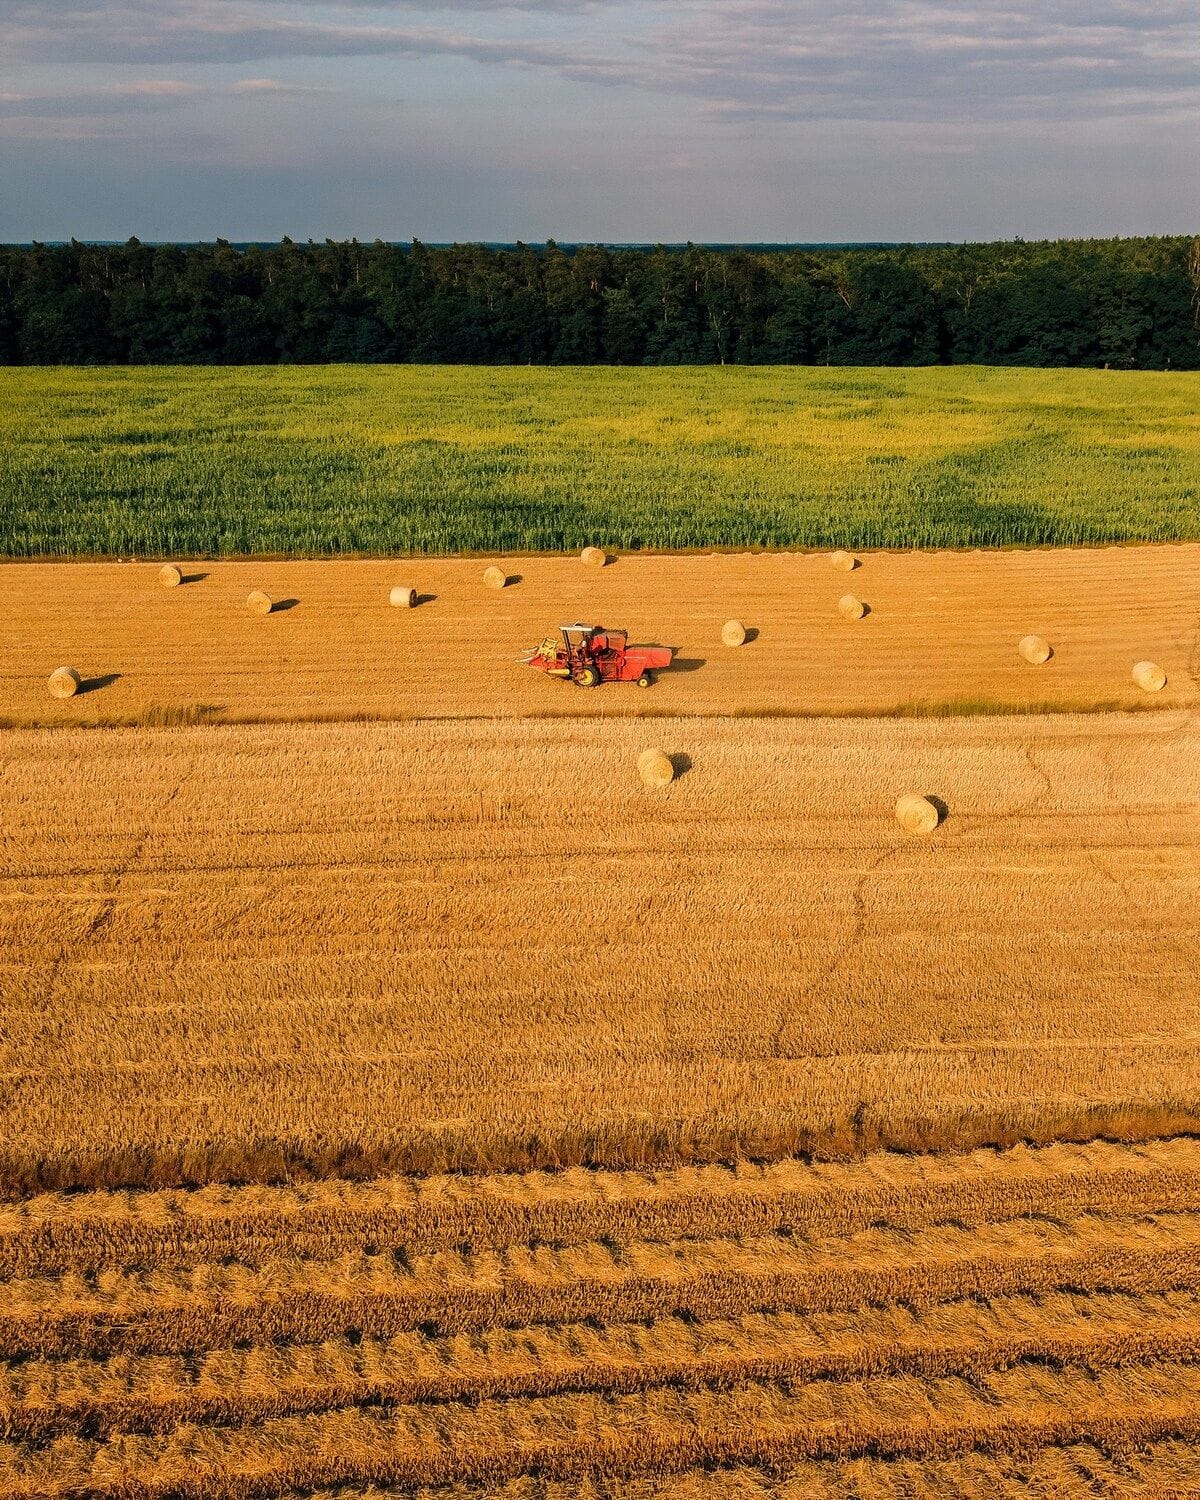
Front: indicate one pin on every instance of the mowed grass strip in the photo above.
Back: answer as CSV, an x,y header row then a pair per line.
x,y
382,1294
1016,1410
91,1232
41,1399
221,462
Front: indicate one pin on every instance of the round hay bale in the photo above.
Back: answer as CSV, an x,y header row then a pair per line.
x,y
733,633
63,682
844,562
852,606
1150,677
258,603
655,769
495,578
917,814
594,557
403,598
1034,649
170,576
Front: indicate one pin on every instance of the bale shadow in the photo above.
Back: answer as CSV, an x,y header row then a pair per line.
x,y
424,599
751,634
94,684
866,610
193,577
512,579
681,761
281,604
943,810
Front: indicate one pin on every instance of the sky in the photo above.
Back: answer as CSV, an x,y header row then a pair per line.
x,y
618,120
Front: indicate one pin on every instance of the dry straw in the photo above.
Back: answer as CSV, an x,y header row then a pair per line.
x,y
733,632
170,576
495,578
403,598
594,557
844,562
916,814
1149,676
852,606
1035,650
655,769
258,603
63,682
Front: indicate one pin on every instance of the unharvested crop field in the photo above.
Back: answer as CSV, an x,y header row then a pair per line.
x,y
219,462
941,634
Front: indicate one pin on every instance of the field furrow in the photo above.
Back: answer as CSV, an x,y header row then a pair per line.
x,y
1017,1410
65,1232
383,1294
41,1398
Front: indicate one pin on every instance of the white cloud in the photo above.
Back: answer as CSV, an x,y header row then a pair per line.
x,y
761,59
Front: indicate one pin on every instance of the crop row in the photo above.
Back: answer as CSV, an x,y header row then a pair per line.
x,y
386,1293
44,1398
658,1431
1072,1471
65,1232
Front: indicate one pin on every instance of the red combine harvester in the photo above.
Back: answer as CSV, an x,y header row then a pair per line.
x,y
589,654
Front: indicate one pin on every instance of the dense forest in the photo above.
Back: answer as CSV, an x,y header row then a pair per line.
x,y
1124,304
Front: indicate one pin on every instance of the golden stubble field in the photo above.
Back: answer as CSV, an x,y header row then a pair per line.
x,y
425,1109
234,951
942,630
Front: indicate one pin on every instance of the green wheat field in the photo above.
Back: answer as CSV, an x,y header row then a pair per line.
x,y
210,462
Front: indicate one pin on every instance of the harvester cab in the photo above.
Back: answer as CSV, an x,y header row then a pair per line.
x,y
590,654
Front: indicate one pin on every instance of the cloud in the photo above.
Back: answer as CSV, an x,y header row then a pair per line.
x,y
918,59
767,61
274,88
152,88
123,98
122,103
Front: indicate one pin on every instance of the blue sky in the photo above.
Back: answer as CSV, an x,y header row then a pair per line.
x,y
731,120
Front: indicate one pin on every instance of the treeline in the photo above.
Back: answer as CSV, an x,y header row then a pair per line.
x,y
1126,304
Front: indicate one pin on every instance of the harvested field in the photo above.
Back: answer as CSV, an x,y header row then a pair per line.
x,y
241,952
427,1109
942,634
964,1337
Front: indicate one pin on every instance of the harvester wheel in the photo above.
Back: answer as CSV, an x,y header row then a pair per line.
x,y
644,680
587,677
